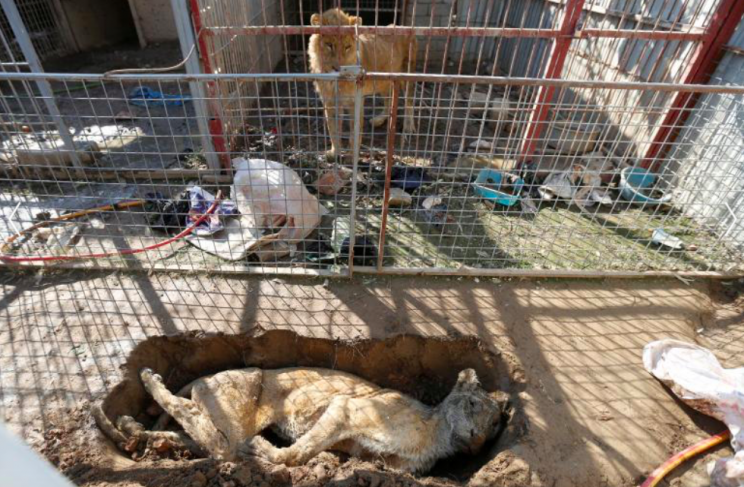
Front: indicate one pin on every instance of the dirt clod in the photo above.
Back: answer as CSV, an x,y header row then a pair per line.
x,y
243,475
131,445
505,470
162,446
198,480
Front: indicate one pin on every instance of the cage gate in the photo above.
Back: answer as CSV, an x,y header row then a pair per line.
x,y
552,138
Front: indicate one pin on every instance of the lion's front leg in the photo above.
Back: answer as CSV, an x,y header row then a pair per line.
x,y
258,446
334,122
331,428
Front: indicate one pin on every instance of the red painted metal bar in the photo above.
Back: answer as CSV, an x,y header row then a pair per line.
x,y
216,128
640,34
554,70
717,34
392,121
387,30
452,32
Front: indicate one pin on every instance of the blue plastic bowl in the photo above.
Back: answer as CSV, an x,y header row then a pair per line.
x,y
494,180
635,179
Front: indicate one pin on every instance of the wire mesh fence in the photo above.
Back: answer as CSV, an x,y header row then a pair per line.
x,y
507,169
43,22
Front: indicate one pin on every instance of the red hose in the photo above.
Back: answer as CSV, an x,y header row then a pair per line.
x,y
689,452
52,258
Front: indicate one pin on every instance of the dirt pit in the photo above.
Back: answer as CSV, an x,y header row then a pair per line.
x,y
425,368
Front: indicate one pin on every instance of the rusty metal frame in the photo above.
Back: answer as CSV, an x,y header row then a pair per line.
x,y
216,128
393,119
506,32
563,37
571,14
400,78
708,52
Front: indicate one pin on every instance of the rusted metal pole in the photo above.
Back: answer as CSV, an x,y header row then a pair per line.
x,y
392,122
356,146
554,70
717,34
640,34
433,31
216,128
261,30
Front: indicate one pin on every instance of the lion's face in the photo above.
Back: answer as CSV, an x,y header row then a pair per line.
x,y
336,50
473,414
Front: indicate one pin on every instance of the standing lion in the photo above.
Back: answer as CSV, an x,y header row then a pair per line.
x,y
385,53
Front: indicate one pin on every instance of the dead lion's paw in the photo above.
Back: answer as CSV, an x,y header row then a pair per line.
x,y
147,375
259,447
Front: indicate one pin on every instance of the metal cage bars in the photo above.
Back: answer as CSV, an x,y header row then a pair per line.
x,y
425,78
709,39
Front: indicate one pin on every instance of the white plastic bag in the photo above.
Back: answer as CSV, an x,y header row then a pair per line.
x,y
267,192
694,374
276,212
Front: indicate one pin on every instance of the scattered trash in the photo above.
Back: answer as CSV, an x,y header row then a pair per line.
x,y
146,96
430,202
661,237
602,197
435,214
164,214
318,251
333,181
695,376
499,187
399,198
601,164
557,185
527,204
258,140
124,116
276,212
185,154
199,202
638,185
580,185
365,250
62,238
173,215
408,178
480,144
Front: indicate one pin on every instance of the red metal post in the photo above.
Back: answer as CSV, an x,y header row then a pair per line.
x,y
216,128
717,34
392,121
554,70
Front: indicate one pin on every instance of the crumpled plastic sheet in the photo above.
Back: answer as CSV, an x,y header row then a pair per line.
x,y
268,195
694,374
580,185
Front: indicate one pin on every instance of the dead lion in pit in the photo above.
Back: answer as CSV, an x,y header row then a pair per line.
x,y
318,410
386,53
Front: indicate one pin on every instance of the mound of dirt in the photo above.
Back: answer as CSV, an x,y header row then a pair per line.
x,y
425,368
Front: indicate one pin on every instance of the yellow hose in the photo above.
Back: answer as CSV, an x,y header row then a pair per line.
x,y
681,457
